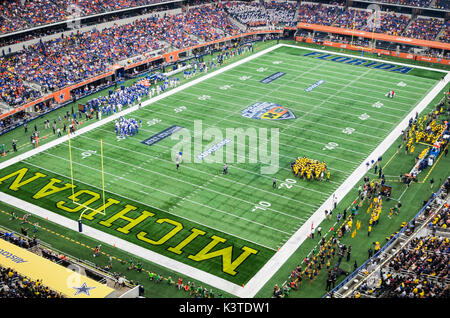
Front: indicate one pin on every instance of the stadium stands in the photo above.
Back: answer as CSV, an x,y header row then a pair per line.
x,y
251,14
19,15
50,65
414,263
14,285
281,12
318,13
65,61
413,3
442,4
424,28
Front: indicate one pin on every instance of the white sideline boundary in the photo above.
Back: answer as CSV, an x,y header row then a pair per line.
x,y
286,251
134,108
280,257
122,244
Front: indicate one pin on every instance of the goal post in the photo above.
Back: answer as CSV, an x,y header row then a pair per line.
x,y
87,208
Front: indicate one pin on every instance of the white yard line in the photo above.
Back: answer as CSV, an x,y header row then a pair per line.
x,y
134,108
240,124
199,171
170,194
339,83
287,250
297,110
285,145
378,75
294,95
249,171
134,249
324,101
149,205
196,186
272,266
297,102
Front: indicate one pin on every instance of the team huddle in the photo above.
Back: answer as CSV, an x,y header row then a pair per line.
x,y
310,168
127,127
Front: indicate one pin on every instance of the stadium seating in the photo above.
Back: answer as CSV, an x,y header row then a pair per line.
x,y
281,13
318,13
14,285
413,3
251,14
19,14
414,264
51,65
424,28
391,23
442,4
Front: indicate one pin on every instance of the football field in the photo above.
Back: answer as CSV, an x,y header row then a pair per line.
x,y
281,104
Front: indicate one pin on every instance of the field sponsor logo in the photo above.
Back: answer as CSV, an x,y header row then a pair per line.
x,y
161,135
179,238
227,146
267,110
313,86
213,149
272,77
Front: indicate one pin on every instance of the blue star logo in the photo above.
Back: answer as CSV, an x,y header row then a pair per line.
x,y
61,96
83,289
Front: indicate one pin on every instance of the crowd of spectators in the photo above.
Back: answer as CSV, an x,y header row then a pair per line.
x,y
68,60
424,256
445,36
19,14
390,23
395,285
206,21
418,270
281,12
256,14
12,90
352,19
65,61
318,13
442,4
413,3
23,14
14,285
424,28
251,14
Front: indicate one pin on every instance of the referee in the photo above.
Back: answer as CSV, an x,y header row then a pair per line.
x,y
225,169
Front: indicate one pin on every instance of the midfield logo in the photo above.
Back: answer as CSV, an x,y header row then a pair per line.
x,y
267,110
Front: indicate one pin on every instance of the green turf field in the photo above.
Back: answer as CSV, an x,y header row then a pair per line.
x,y
226,225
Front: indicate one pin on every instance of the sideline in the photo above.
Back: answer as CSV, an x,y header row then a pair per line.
x,y
285,252
149,255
